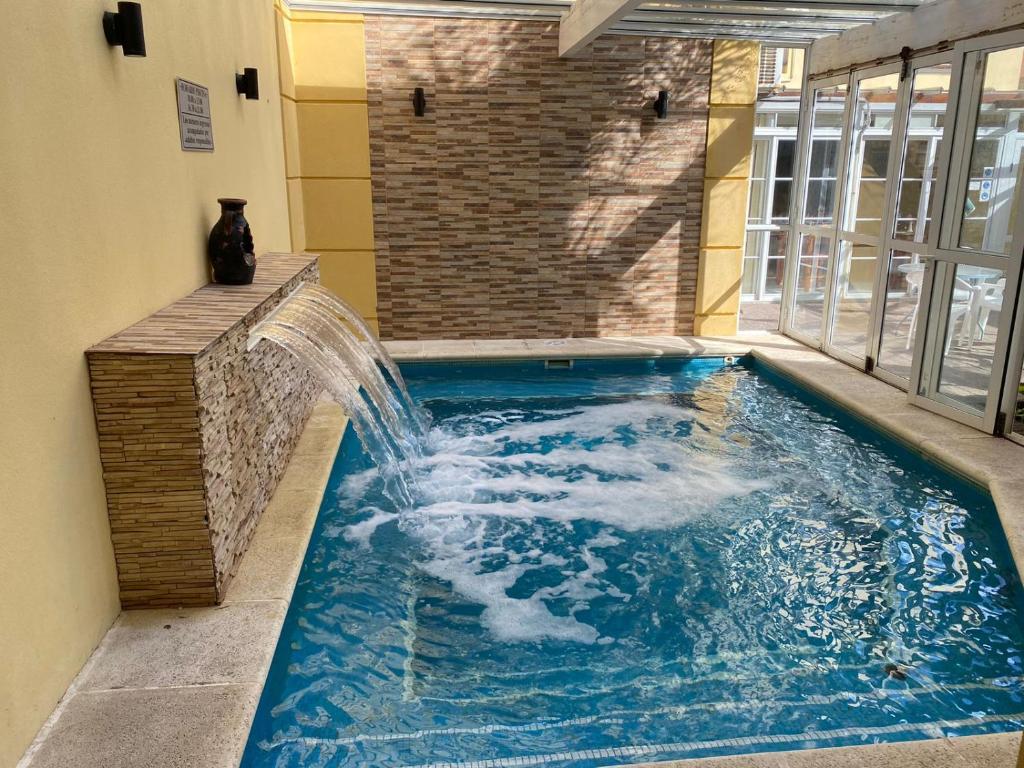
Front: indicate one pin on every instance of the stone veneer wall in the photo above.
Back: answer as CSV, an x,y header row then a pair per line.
x,y
538,196
195,432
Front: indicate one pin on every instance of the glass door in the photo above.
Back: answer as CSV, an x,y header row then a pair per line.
x,y
970,295
865,212
921,124
812,247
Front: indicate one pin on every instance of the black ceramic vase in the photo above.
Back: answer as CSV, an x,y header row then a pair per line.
x,y
231,251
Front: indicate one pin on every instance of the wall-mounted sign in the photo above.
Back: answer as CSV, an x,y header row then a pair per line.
x,y
194,120
986,191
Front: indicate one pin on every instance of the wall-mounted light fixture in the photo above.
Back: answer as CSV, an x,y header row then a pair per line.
x,y
248,83
419,102
661,105
124,28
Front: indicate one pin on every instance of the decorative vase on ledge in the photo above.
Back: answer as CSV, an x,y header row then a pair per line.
x,y
231,250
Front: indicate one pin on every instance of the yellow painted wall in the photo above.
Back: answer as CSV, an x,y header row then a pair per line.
x,y
327,136
103,220
726,186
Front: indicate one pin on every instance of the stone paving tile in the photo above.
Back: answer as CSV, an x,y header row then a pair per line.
x,y
934,753
269,569
997,750
290,514
231,643
195,727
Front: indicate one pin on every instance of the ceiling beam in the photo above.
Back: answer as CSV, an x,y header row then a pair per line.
x,y
587,19
844,19
855,6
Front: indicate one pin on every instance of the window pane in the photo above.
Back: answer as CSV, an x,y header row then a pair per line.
x,y
869,167
899,320
915,161
811,279
751,259
975,312
823,162
784,159
757,201
928,101
780,203
821,202
748,286
775,266
852,307
991,201
824,158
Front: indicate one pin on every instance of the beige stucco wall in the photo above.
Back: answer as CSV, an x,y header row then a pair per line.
x,y
726,186
103,220
323,99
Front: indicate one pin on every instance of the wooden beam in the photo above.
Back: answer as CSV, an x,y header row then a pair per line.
x,y
928,25
586,20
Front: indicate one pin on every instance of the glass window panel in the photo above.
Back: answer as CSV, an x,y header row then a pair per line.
x,y
788,119
748,285
823,163
870,205
811,280
759,163
820,206
757,202
876,158
929,99
900,313
876,98
832,118
824,158
852,307
991,193
975,313
778,242
780,202
784,158
915,161
910,199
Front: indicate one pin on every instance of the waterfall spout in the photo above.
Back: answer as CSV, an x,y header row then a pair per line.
x,y
337,345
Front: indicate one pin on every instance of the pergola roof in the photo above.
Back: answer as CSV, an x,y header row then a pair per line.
x,y
782,22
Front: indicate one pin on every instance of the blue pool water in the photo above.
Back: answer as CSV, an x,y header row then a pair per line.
x,y
640,560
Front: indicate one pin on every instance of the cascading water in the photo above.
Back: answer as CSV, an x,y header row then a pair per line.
x,y
314,325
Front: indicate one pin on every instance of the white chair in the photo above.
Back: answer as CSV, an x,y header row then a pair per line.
x,y
988,298
961,305
959,309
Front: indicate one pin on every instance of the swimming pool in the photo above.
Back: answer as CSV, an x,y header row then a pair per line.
x,y
625,561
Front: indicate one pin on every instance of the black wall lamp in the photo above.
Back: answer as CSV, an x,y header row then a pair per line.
x,y
124,28
419,102
248,83
661,105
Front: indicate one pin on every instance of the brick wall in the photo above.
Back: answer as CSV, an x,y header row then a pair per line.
x,y
538,197
195,432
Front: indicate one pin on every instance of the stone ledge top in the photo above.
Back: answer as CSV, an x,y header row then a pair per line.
x,y
189,326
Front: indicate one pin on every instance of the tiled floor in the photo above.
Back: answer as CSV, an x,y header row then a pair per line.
x,y
179,688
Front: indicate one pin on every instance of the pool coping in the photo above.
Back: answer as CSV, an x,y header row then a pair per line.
x,y
180,687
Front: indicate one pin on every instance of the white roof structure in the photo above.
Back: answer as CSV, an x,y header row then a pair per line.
x,y
779,22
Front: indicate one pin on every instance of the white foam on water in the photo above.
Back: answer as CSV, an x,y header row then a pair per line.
x,y
361,532
486,501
